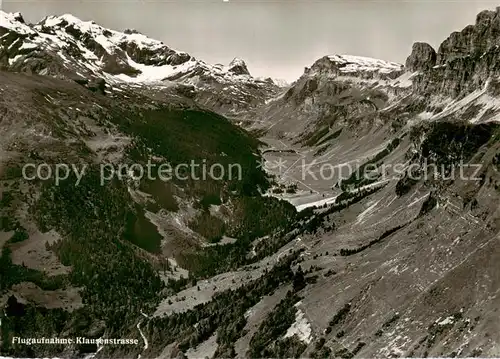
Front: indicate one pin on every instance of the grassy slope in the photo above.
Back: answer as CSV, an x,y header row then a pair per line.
x,y
101,225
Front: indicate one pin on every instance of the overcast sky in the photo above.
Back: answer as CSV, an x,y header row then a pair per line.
x,y
276,38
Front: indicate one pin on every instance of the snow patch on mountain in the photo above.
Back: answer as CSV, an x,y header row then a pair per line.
x,y
403,81
477,107
281,82
350,63
110,40
238,67
151,74
86,48
14,22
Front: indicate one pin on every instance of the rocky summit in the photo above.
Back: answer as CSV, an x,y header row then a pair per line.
x,y
364,221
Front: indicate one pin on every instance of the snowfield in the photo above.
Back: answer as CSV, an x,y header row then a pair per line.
x,y
53,33
352,63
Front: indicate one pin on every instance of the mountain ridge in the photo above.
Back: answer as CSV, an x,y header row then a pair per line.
x,y
64,29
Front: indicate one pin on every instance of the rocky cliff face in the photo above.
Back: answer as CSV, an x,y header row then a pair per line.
x,y
336,91
463,62
422,57
458,81
238,67
405,245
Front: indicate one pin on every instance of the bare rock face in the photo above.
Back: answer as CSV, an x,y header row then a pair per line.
x,y
423,57
473,39
238,67
178,58
464,61
131,31
19,17
154,56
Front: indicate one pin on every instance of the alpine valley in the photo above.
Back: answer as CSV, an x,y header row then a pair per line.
x,y
282,262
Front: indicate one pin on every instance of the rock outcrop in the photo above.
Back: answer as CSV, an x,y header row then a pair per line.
x,y
238,67
422,58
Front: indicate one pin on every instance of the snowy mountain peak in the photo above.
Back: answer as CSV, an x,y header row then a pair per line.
x,y
109,39
57,20
66,46
13,16
350,63
14,22
18,17
238,67
281,82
